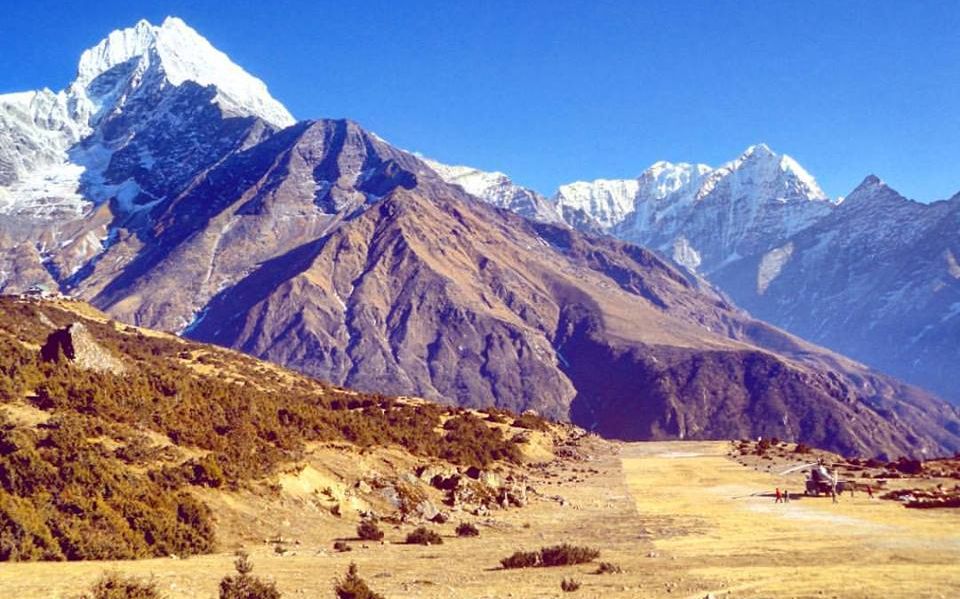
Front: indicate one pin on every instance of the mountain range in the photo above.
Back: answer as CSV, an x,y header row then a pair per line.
x,y
166,186
873,276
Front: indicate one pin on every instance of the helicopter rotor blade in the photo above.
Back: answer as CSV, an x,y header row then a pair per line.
x,y
795,468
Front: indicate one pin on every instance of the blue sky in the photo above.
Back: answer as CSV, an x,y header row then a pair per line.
x,y
551,92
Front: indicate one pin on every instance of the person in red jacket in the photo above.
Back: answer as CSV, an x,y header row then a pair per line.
x,y
779,496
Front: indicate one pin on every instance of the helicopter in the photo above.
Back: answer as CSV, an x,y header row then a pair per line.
x,y
820,479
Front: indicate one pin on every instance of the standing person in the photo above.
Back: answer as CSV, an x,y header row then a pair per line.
x,y
786,496
870,491
779,496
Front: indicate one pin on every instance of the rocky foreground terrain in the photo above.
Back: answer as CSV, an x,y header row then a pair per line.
x,y
669,518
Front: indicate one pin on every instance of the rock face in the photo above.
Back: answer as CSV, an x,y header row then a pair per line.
x,y
322,247
877,279
75,344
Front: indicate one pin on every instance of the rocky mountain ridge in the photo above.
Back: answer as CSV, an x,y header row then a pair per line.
x,y
872,276
322,247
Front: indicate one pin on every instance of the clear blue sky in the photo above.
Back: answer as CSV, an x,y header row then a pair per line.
x,y
555,91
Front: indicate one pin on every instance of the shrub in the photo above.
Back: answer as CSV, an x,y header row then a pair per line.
x,y
547,557
245,586
353,587
608,568
569,585
908,466
521,559
802,448
369,531
465,529
530,421
567,555
424,536
341,546
114,586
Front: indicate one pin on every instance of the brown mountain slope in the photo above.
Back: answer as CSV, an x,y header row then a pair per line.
x,y
326,249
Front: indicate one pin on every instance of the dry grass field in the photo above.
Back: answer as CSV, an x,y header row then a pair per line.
x,y
683,519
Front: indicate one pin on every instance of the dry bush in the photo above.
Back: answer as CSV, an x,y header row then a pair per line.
x,y
521,559
114,586
547,557
424,536
244,585
569,585
369,531
567,555
531,421
608,568
466,529
353,587
341,546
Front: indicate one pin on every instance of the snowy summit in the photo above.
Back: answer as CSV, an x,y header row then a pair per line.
x,y
182,55
55,147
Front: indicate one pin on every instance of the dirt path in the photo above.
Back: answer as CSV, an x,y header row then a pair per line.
x,y
731,536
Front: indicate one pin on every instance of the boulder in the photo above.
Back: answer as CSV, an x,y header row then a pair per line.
x,y
75,344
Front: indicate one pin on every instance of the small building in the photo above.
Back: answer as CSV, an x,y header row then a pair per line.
x,y
38,291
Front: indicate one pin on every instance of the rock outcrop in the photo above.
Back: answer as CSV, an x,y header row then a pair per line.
x,y
76,344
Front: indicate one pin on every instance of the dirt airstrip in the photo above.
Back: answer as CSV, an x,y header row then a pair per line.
x,y
683,519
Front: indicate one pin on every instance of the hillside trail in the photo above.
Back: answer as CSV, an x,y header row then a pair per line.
x,y
730,533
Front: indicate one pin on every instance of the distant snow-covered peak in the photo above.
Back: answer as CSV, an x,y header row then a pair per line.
x,y
498,189
474,181
760,174
606,201
665,178
180,54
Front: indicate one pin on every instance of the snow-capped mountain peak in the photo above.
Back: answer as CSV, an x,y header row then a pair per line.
x,y
182,55
135,91
665,178
761,173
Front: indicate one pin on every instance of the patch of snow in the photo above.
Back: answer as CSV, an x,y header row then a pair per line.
x,y
771,265
685,254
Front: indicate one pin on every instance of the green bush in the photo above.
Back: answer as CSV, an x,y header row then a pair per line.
x,y
353,587
424,536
